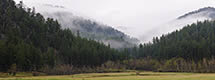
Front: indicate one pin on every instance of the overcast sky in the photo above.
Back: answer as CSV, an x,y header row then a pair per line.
x,y
134,17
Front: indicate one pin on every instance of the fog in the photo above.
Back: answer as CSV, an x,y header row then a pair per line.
x,y
142,19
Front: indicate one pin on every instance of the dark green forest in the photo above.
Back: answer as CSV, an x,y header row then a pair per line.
x,y
190,49
193,42
29,42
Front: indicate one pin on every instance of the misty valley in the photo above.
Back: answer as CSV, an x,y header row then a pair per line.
x,y
59,45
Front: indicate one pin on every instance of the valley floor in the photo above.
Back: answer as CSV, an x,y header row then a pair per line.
x,y
122,76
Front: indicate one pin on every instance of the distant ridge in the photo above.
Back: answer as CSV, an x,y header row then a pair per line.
x,y
208,11
93,30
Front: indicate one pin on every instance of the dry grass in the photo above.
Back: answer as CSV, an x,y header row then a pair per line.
x,y
121,76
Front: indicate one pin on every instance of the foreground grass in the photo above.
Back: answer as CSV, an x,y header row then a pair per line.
x,y
120,76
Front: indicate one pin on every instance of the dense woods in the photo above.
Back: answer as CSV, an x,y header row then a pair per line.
x,y
29,42
190,49
193,42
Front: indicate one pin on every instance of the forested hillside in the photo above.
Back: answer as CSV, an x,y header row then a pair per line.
x,y
190,49
193,42
28,41
91,29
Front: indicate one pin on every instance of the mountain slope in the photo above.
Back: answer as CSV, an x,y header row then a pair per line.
x,y
93,30
193,42
189,36
207,13
87,28
31,42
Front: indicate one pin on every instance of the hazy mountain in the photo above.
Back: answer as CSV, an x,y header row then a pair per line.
x,y
207,13
88,28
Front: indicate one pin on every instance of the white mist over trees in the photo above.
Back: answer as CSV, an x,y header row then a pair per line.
x,y
137,16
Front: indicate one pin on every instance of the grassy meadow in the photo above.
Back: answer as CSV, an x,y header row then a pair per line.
x,y
117,76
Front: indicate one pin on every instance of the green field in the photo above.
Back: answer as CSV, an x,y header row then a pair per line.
x,y
120,76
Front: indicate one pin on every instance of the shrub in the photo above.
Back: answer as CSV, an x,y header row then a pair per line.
x,y
35,73
12,70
